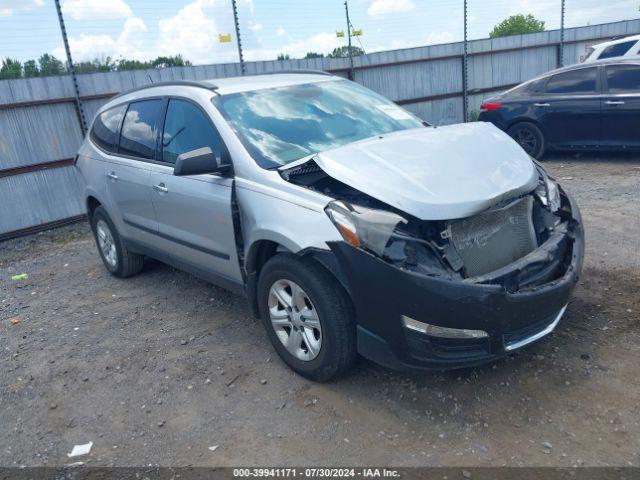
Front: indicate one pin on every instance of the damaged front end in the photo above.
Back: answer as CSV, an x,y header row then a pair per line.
x,y
453,293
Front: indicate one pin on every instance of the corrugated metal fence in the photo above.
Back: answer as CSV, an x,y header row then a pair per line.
x,y
40,130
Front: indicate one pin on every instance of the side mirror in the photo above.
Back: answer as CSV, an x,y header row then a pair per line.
x,y
198,162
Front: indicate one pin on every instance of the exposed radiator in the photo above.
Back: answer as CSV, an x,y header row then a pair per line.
x,y
493,239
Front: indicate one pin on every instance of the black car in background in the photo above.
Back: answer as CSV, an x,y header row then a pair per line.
x,y
592,106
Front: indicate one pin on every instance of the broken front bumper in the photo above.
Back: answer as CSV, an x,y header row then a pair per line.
x,y
383,294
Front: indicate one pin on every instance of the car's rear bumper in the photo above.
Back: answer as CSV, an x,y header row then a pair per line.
x,y
383,294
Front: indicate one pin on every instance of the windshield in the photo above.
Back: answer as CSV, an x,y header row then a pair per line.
x,y
280,125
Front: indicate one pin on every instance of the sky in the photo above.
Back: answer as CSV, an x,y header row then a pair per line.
x,y
145,29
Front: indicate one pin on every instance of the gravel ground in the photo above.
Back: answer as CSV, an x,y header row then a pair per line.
x,y
158,368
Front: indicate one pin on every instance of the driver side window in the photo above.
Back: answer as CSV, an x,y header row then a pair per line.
x,y
187,128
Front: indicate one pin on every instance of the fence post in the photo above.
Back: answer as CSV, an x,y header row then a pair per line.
x,y
237,25
465,71
72,71
346,9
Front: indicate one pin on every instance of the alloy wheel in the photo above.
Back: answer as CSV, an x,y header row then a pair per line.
x,y
295,320
526,139
106,243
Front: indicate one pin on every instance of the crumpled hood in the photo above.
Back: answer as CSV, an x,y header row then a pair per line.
x,y
435,173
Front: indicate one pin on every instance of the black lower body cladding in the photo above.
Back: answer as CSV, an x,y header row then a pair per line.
x,y
383,294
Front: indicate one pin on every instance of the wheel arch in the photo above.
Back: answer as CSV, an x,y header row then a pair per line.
x,y
92,203
526,120
262,250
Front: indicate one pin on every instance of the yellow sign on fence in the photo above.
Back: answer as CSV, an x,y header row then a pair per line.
x,y
224,38
340,34
356,33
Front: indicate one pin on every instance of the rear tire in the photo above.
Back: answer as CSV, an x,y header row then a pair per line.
x,y
325,303
116,257
529,137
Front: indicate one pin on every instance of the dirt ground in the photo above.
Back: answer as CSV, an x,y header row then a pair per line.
x,y
160,367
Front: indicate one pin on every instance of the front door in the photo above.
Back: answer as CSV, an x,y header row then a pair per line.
x,y
194,213
621,106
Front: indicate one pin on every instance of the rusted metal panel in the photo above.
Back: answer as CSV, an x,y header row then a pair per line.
x,y
39,197
38,134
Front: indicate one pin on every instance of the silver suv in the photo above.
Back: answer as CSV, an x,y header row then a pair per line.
x,y
351,226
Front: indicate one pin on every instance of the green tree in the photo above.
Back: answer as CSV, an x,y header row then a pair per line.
x,y
343,52
123,64
50,65
171,61
283,56
517,24
96,65
11,68
314,55
31,69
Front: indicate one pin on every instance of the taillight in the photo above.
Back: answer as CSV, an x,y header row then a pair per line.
x,y
490,106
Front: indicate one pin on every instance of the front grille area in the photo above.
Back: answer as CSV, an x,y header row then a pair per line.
x,y
496,238
425,347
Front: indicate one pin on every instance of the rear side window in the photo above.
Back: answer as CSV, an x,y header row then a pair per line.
x,y
187,128
617,50
623,78
104,132
575,81
140,129
536,85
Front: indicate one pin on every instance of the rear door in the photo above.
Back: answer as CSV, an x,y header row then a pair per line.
x,y
569,108
128,172
621,106
194,212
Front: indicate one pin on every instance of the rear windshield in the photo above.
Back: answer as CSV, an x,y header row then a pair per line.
x,y
280,125
617,49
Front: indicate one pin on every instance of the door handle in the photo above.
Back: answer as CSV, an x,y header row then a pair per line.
x,y
112,175
541,105
160,188
614,102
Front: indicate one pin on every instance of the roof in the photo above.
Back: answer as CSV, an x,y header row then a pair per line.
x,y
224,86
577,66
257,82
617,40
221,86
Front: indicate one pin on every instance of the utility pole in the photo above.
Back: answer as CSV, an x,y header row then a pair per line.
x,y
561,48
346,9
465,70
237,25
72,70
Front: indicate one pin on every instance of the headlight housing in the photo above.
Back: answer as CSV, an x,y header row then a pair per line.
x,y
363,227
548,192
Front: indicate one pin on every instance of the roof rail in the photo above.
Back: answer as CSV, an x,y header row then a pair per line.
x,y
301,71
184,83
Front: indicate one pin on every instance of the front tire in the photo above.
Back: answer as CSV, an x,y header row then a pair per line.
x,y
116,257
308,317
529,137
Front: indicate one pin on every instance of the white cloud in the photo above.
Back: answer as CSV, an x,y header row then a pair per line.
x,y
280,31
96,9
7,7
193,32
321,42
255,26
87,47
383,7
129,44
